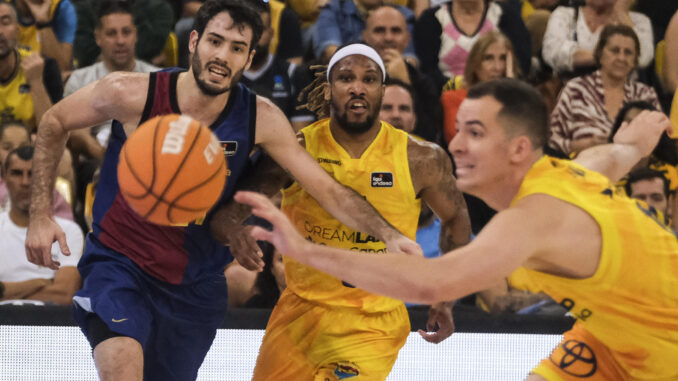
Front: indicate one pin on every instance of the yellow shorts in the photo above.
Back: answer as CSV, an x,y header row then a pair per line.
x,y
308,341
581,357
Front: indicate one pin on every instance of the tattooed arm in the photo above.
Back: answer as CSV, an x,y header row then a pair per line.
x,y
433,181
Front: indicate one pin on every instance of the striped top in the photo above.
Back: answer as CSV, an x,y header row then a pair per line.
x,y
581,111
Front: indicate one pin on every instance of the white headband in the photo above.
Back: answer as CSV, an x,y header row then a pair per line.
x,y
359,49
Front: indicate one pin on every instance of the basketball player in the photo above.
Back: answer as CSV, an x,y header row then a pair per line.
x,y
603,256
153,296
321,328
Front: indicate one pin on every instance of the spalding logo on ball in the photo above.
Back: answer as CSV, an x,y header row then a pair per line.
x,y
172,170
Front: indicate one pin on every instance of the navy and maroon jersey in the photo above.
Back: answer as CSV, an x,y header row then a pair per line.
x,y
178,255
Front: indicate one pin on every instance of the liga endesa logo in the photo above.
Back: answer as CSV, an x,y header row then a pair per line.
x,y
382,179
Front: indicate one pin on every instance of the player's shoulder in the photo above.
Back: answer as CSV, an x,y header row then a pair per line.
x,y
125,81
419,150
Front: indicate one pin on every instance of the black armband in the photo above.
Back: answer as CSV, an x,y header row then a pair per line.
x,y
2,290
43,25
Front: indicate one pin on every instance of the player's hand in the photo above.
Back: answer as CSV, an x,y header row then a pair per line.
x,y
644,131
42,232
245,248
33,66
402,244
440,316
283,236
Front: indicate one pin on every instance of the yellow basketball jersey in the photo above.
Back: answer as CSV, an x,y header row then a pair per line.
x,y
382,176
15,97
631,303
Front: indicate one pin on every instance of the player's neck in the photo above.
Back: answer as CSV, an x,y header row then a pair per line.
x,y
354,144
18,217
195,103
501,193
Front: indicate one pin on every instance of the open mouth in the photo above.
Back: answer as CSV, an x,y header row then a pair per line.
x,y
357,106
218,71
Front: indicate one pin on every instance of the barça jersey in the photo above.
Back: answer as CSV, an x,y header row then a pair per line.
x,y
178,255
630,304
382,176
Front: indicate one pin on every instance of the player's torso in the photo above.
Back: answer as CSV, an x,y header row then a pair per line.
x,y
15,97
383,177
173,254
631,302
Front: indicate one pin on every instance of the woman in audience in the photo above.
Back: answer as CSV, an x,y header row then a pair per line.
x,y
444,35
588,104
491,57
573,32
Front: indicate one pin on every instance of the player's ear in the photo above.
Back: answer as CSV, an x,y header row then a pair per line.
x,y
326,91
193,41
249,59
520,148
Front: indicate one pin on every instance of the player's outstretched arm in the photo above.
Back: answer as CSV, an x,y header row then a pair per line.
x,y
117,96
505,243
633,141
227,223
276,136
431,170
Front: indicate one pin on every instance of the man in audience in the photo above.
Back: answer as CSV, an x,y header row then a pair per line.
x,y
397,105
387,32
116,35
153,18
29,83
48,27
341,22
20,279
14,135
651,186
271,76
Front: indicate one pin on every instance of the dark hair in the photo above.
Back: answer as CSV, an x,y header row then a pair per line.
x,y
24,153
521,103
109,7
265,284
242,13
665,150
611,30
646,174
261,6
13,123
397,82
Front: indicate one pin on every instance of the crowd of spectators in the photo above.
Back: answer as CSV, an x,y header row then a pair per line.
x,y
597,63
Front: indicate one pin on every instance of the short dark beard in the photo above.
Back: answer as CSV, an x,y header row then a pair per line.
x,y
352,127
196,65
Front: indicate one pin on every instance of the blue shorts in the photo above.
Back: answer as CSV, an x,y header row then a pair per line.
x,y
175,324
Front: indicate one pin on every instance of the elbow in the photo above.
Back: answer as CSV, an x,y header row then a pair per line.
x,y
429,293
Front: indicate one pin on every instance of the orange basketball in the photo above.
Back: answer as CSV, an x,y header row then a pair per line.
x,y
172,170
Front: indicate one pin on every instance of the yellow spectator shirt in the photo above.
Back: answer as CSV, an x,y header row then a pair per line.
x,y
382,176
630,304
15,97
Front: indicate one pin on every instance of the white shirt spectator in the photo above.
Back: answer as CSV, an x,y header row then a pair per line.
x,y
86,75
16,268
559,42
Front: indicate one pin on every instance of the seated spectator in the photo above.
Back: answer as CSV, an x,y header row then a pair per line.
x,y
652,187
386,31
573,32
29,83
491,57
307,11
48,27
270,76
587,105
397,106
444,35
284,21
20,279
152,31
116,35
14,135
341,22
664,157
670,70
